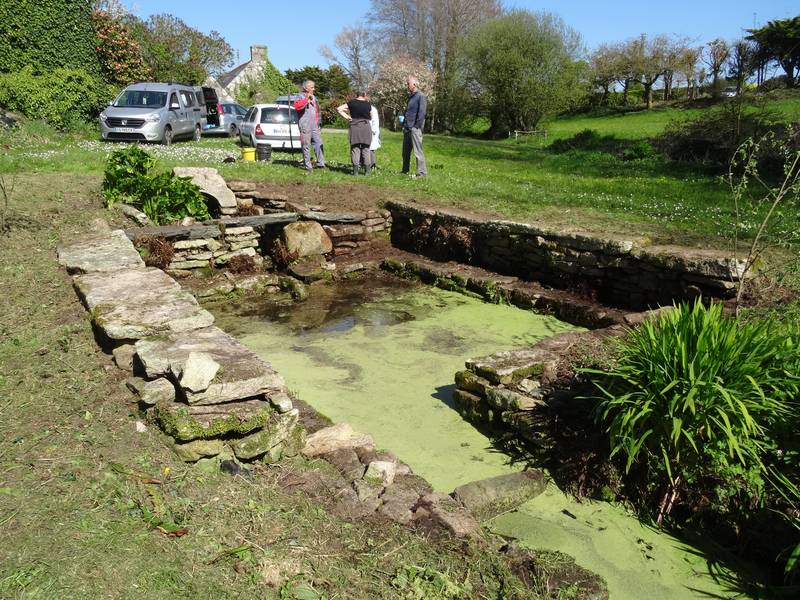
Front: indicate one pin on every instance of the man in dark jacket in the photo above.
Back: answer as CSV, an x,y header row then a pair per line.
x,y
413,121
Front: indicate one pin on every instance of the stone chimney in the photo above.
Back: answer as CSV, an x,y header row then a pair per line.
x,y
258,53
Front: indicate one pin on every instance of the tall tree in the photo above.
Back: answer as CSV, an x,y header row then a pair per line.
x,y
353,53
715,57
604,69
741,62
780,41
649,57
331,82
173,51
688,59
526,65
431,31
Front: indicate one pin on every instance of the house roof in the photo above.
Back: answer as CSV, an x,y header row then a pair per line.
x,y
226,78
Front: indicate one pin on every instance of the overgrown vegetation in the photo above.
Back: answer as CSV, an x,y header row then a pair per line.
x,y
63,97
702,409
162,197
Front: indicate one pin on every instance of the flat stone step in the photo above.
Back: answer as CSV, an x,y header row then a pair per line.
x,y
132,304
100,254
512,366
211,228
334,217
239,374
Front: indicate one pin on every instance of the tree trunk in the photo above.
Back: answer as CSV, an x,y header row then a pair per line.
x,y
625,87
648,95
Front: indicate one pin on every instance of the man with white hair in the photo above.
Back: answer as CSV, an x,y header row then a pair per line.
x,y
413,122
308,109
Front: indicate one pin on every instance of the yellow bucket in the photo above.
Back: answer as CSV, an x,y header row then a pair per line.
x,y
248,154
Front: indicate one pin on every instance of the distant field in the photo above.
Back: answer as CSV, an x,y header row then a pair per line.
x,y
521,179
644,124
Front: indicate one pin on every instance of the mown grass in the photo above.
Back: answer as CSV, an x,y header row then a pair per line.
x,y
590,190
77,481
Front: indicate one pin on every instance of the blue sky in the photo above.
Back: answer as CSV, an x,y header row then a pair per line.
x,y
294,30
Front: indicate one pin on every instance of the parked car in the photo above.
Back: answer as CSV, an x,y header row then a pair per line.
x,y
290,99
269,124
153,112
729,92
226,118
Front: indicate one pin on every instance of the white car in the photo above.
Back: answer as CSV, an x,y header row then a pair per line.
x,y
729,92
269,124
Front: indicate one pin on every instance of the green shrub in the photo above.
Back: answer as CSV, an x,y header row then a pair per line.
x,y
715,134
162,197
47,35
590,140
124,171
696,395
62,97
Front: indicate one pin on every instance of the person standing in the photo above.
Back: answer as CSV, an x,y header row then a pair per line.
x,y
413,122
358,113
307,108
375,125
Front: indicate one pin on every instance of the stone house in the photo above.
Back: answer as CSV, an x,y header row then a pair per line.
x,y
227,83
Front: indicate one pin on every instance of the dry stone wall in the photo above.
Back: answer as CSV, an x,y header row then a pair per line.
x,y
207,391
621,272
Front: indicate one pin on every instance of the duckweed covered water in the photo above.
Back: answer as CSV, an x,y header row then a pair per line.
x,y
381,354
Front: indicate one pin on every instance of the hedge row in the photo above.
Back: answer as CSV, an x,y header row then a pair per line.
x,y
62,97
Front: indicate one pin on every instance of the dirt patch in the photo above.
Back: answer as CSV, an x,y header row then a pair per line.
x,y
336,197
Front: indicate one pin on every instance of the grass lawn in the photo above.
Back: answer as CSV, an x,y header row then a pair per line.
x,y
592,191
78,483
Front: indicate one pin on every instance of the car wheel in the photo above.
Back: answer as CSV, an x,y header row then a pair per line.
x,y
167,141
234,130
196,136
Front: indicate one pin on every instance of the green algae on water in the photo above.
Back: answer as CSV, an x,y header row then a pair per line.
x,y
382,355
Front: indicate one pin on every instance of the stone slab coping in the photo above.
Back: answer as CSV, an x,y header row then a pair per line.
x,y
699,261
225,368
335,217
211,228
100,253
512,365
131,304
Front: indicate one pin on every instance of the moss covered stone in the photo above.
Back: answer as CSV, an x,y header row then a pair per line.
x,y
186,423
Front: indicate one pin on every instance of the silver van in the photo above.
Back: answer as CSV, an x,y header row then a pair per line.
x,y
154,112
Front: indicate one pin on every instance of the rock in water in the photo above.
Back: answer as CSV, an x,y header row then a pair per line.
x,y
488,498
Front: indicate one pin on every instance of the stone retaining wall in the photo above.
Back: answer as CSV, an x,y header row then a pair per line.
x,y
628,273
505,389
206,390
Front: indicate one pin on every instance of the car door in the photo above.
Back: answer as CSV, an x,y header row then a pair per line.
x,y
174,113
190,117
248,123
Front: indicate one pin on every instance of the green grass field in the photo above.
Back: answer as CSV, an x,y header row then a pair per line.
x,y
521,179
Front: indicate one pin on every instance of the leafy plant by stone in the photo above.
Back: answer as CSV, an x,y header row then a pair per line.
x,y
697,397
162,197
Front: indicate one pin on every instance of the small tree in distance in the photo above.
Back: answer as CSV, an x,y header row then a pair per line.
x,y
525,66
389,91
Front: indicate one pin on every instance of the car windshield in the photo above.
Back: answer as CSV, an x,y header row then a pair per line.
x,y
276,115
141,99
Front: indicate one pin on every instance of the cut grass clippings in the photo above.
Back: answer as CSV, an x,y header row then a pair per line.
x,y
91,508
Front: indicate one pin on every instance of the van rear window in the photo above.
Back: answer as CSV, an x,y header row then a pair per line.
x,y
276,115
140,98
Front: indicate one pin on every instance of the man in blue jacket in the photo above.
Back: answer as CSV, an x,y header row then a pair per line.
x,y
413,122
